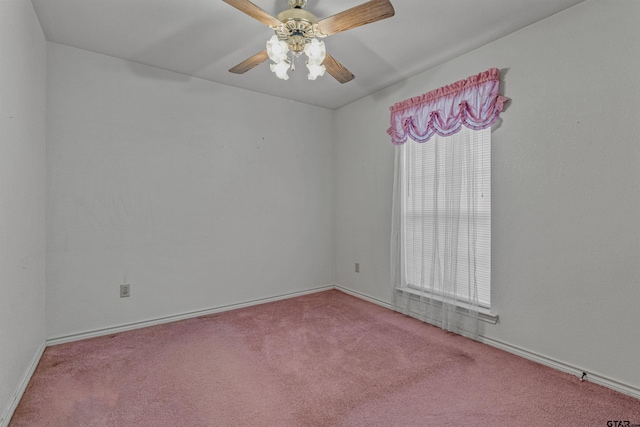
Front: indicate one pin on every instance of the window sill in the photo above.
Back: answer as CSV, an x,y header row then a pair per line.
x,y
484,314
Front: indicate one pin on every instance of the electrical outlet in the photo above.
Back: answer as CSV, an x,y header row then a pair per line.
x,y
357,267
125,291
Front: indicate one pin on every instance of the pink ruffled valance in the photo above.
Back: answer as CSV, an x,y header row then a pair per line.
x,y
474,102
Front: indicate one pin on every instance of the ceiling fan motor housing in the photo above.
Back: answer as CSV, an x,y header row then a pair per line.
x,y
298,27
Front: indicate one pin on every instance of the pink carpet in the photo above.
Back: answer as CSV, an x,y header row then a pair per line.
x,y
326,359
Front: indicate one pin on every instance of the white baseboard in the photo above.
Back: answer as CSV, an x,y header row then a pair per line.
x,y
364,297
177,317
543,360
17,395
564,367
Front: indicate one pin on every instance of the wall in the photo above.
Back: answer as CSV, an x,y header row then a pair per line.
x,y
566,188
196,194
22,197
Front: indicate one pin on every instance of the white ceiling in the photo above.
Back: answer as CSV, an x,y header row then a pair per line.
x,y
204,38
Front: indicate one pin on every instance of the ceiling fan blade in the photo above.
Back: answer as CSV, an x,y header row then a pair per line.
x,y
337,70
254,11
249,63
366,13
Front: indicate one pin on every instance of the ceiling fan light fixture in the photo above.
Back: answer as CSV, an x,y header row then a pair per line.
x,y
278,51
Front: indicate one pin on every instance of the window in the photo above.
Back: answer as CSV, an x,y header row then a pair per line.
x,y
445,208
441,208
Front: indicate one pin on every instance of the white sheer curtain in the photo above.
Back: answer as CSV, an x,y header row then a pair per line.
x,y
438,187
441,221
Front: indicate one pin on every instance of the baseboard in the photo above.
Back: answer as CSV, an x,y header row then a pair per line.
x,y
8,412
543,360
177,317
564,367
364,297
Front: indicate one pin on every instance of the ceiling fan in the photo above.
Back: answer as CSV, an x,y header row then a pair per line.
x,y
297,31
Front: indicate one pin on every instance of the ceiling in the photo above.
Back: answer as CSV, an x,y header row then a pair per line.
x,y
204,38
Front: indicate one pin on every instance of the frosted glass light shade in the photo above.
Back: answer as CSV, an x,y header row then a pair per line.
x,y
281,69
277,49
315,71
315,51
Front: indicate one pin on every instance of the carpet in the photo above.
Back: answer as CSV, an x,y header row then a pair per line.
x,y
325,359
